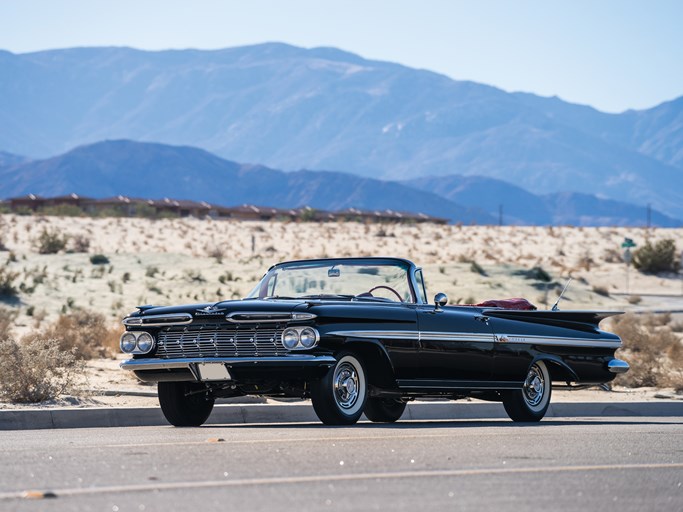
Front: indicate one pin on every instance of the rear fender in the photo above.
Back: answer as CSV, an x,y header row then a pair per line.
x,y
558,369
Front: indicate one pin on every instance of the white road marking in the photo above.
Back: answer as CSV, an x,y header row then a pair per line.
x,y
336,478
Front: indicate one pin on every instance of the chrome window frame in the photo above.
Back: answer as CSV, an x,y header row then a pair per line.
x,y
416,298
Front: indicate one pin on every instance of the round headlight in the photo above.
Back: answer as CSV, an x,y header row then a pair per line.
x,y
145,342
127,342
307,337
290,338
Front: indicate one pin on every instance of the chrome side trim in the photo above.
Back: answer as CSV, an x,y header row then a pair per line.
x,y
618,366
472,337
556,341
457,336
260,317
187,362
387,335
158,320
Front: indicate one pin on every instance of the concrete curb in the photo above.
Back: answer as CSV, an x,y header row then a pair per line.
x,y
28,419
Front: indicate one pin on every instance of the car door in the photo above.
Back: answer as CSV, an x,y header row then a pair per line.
x,y
456,345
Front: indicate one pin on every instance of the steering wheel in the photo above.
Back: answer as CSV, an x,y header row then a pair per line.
x,y
387,288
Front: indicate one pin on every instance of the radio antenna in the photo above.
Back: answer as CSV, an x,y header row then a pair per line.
x,y
555,308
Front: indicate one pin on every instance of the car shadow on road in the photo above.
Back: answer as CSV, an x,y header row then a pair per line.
x,y
442,424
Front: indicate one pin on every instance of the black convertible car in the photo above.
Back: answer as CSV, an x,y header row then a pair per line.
x,y
357,335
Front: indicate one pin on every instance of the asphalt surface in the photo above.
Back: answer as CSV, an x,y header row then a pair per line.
x,y
586,464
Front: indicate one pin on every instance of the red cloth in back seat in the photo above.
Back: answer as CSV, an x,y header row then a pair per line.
x,y
516,303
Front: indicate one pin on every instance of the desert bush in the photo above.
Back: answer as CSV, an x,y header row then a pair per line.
x,y
216,252
80,243
7,317
194,276
99,259
97,272
7,278
536,273
50,241
86,333
151,271
36,370
653,259
225,277
477,269
650,347
601,290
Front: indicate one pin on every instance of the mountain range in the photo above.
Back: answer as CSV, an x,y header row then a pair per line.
x,y
322,108
153,170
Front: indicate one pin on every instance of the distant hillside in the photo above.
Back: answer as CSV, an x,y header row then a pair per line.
x,y
322,108
156,170
7,159
522,207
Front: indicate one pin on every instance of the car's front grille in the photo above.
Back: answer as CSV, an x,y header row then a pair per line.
x,y
220,340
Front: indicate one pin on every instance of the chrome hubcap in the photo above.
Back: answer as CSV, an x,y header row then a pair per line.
x,y
534,386
346,385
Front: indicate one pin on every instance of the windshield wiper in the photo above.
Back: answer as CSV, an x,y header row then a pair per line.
x,y
373,299
283,297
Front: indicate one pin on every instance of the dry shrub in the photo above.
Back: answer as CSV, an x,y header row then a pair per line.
x,y
80,243
652,349
87,333
7,317
7,278
653,259
215,251
36,370
50,241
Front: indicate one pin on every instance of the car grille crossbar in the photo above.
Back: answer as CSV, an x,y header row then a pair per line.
x,y
220,341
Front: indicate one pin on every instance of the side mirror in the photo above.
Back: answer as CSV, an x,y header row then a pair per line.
x,y
440,300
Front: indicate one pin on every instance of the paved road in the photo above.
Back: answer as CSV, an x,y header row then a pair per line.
x,y
619,464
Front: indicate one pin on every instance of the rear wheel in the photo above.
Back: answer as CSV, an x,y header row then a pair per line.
x,y
384,410
184,404
339,397
531,402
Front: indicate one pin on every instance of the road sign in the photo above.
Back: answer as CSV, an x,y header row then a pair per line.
x,y
628,257
628,243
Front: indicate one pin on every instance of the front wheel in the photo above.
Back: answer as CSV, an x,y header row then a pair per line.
x,y
531,402
339,397
384,410
184,404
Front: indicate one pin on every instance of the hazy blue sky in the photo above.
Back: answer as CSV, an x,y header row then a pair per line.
x,y
612,54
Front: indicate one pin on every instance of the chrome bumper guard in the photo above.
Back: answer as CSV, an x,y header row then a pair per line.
x,y
230,362
618,366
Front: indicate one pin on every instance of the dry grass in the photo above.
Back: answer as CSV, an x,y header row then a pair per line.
x,y
653,350
36,370
86,334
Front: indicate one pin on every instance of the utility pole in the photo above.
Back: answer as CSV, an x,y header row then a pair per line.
x,y
649,215
500,214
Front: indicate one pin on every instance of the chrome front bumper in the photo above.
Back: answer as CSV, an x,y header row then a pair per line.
x,y
299,360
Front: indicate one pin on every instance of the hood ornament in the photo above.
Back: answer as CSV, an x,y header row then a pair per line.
x,y
209,310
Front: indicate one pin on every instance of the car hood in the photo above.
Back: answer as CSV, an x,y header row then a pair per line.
x,y
220,309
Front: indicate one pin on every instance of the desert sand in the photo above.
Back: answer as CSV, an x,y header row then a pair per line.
x,y
188,260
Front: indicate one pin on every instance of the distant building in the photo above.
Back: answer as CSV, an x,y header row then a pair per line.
x,y
27,202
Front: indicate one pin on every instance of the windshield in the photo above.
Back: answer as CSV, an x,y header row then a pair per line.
x,y
353,279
